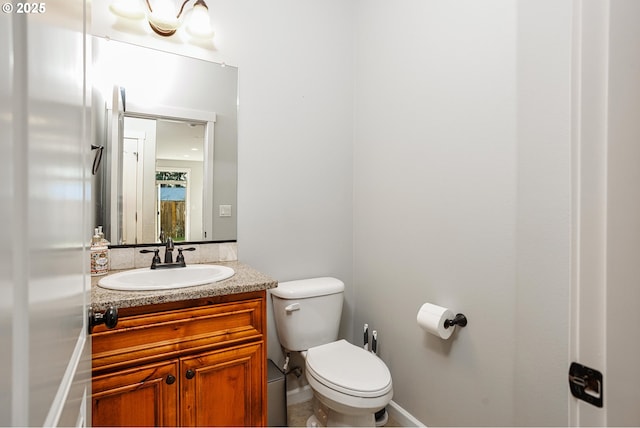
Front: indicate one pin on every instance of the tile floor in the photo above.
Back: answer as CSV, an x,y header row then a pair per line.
x,y
298,414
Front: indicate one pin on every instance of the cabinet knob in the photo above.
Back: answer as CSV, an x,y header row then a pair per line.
x,y
171,379
190,374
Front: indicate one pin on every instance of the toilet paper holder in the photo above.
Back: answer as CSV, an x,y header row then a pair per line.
x,y
459,320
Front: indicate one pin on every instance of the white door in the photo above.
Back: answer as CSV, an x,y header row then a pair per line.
x,y
45,169
606,294
132,185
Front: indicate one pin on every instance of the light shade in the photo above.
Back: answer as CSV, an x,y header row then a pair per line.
x,y
127,9
164,16
199,24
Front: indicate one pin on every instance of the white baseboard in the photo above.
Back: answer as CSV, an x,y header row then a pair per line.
x,y
400,415
299,395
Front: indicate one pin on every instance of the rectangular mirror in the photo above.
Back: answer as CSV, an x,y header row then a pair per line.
x,y
167,138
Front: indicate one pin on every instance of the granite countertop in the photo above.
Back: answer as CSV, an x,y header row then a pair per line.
x,y
246,279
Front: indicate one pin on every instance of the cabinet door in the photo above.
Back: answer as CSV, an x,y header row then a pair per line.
x,y
224,388
143,396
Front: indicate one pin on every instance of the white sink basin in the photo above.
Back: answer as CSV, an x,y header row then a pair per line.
x,y
146,279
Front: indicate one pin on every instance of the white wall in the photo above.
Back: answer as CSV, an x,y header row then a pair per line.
x,y
543,233
435,200
295,195
462,198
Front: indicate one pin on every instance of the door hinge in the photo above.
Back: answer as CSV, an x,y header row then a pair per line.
x,y
586,384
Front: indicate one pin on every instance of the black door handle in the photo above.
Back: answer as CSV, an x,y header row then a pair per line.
x,y
109,318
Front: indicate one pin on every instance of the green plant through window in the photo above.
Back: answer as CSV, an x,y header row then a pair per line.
x,y
171,176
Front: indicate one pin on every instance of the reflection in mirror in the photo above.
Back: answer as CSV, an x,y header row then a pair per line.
x,y
174,181
169,132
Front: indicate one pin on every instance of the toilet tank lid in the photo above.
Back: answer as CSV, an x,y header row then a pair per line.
x,y
312,287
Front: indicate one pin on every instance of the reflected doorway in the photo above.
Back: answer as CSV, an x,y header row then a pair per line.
x,y
163,183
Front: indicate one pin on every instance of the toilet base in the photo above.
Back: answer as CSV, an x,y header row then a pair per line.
x,y
324,416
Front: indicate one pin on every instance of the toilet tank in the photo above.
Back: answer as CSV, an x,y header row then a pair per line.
x,y
307,312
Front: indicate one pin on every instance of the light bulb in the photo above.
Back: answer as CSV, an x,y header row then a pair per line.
x,y
164,8
199,22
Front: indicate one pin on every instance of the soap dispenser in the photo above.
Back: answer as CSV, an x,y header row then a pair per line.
x,y
105,243
101,236
99,253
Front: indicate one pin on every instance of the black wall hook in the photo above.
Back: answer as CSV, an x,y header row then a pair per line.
x,y
459,319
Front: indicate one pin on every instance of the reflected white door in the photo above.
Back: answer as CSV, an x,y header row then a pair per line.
x,y
132,185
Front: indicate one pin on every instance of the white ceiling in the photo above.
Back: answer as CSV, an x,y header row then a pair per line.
x,y
179,140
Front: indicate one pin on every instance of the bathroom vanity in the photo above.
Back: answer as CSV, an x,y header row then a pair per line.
x,y
184,357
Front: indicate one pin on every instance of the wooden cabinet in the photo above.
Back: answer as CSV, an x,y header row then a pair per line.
x,y
142,396
223,388
195,363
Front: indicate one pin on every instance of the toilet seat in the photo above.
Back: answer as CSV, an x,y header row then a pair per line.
x,y
349,369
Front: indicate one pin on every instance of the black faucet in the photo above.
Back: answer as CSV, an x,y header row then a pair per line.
x,y
168,255
156,263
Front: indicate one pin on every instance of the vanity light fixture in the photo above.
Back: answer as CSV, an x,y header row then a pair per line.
x,y
165,17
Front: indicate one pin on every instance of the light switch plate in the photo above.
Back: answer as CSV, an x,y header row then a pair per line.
x,y
225,210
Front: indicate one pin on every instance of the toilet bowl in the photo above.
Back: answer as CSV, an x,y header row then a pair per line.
x,y
349,383
352,383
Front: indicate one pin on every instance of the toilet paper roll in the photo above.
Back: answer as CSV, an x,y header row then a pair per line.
x,y
432,317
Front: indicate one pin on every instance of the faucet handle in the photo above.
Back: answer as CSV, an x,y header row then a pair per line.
x,y
156,257
180,258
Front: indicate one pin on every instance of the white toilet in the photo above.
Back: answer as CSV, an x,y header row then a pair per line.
x,y
349,383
